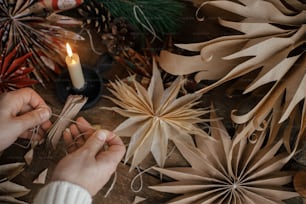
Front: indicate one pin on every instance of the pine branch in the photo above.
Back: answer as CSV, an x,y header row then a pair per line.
x,y
163,16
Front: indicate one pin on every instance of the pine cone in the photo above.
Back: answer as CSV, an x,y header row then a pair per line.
x,y
96,16
116,33
119,38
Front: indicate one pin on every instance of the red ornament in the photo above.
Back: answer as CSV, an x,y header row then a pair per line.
x,y
14,73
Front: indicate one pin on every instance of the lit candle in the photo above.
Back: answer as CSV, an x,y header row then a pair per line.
x,y
74,68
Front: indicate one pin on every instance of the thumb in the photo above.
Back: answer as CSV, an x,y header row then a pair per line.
x,y
96,141
33,118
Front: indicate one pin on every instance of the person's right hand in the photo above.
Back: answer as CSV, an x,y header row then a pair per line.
x,y
88,164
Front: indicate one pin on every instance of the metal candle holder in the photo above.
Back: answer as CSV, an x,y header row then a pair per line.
x,y
93,83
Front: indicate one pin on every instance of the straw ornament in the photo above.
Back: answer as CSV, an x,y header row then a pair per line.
x,y
221,172
155,116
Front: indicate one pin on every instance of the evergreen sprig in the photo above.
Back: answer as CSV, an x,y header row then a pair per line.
x,y
164,15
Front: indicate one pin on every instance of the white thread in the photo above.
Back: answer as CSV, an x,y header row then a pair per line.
x,y
150,28
36,129
75,141
144,171
198,10
206,127
91,43
140,179
112,186
73,121
35,132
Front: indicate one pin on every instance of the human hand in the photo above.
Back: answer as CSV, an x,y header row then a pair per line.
x,y
88,164
21,110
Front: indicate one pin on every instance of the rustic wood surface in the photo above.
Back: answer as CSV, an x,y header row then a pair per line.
x,y
122,192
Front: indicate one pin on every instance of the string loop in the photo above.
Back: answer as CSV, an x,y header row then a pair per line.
x,y
198,10
140,173
149,28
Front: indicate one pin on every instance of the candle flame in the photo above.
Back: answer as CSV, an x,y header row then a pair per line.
x,y
69,51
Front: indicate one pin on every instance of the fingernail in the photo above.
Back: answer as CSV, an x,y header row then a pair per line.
x,y
44,113
101,135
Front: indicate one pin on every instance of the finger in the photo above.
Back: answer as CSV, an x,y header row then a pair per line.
x,y
115,151
31,97
114,140
71,148
71,140
38,136
27,97
85,126
77,136
68,139
39,132
96,141
31,119
46,125
74,130
26,108
35,134
26,135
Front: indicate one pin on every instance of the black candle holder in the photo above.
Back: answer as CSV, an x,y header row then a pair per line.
x,y
93,83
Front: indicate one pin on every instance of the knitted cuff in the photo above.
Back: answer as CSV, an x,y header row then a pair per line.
x,y
60,192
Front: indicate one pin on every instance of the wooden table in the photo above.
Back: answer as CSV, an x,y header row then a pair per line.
x,y
122,192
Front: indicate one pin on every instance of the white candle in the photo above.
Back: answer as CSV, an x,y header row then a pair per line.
x,y
74,68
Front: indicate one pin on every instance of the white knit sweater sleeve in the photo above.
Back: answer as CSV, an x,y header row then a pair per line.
x,y
60,192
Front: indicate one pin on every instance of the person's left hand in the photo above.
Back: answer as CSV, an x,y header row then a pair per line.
x,y
21,110
88,164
